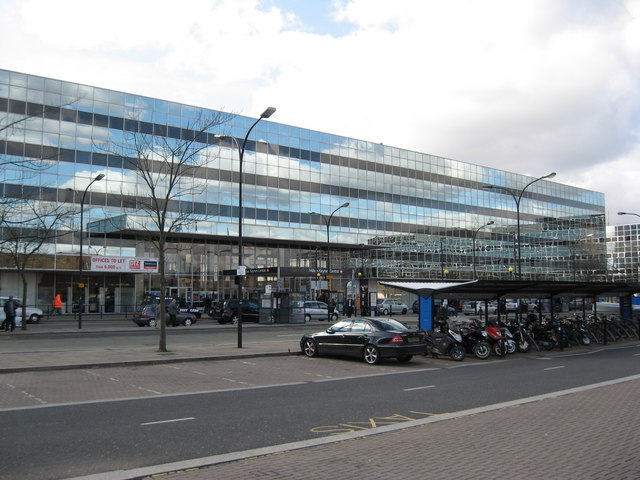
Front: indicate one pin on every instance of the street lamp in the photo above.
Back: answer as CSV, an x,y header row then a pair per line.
x,y
629,213
97,178
241,270
475,234
327,221
518,199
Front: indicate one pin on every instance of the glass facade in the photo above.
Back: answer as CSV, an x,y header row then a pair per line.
x,y
410,214
623,242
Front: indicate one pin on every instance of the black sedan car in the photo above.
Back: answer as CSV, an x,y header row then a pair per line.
x,y
148,316
372,339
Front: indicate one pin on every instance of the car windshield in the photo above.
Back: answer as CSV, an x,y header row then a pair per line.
x,y
389,325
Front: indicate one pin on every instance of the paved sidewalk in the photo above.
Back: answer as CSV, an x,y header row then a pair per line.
x,y
23,353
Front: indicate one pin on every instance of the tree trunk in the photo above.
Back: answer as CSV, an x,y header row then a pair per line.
x,y
24,300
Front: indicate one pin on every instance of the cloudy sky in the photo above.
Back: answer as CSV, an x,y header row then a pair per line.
x,y
530,86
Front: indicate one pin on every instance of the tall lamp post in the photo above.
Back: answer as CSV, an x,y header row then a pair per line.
x,y
80,268
327,221
518,198
475,234
241,270
629,213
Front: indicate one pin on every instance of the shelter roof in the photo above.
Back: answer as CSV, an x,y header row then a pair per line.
x,y
492,289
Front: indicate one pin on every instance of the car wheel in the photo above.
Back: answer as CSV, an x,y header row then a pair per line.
x,y
234,319
152,322
404,311
307,318
334,317
405,358
187,322
34,318
309,348
385,311
371,355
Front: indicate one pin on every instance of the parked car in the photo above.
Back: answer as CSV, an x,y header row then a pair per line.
x,y
227,311
471,308
371,339
34,315
148,316
182,305
314,310
510,306
415,308
389,306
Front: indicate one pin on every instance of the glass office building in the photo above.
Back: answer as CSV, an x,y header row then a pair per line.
x,y
623,242
409,214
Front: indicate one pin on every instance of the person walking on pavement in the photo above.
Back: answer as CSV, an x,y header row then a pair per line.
x,y
349,307
173,313
57,304
10,315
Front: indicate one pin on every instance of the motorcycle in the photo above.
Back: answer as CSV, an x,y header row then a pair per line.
x,y
474,340
501,344
522,336
445,342
545,335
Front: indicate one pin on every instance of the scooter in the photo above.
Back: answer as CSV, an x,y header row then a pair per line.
x,y
499,344
446,342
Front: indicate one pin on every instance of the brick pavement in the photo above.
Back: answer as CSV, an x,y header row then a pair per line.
x,y
591,434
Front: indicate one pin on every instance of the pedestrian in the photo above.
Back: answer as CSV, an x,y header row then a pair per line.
x,y
10,315
348,307
57,304
173,313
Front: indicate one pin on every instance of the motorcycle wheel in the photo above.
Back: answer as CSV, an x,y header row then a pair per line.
x,y
586,340
499,349
457,353
523,346
511,347
482,350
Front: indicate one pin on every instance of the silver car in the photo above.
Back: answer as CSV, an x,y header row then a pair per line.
x,y
314,310
389,306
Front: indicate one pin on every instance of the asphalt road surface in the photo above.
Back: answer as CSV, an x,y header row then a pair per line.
x,y
72,423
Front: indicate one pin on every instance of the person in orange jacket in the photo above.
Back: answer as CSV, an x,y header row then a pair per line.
x,y
57,304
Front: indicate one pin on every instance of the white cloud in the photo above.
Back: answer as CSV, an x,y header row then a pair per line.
x,y
529,86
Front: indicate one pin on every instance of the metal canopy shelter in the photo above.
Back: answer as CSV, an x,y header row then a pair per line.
x,y
495,289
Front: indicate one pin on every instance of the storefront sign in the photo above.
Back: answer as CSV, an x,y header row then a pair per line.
x,y
124,264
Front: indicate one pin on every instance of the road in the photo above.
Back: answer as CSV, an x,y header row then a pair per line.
x,y
72,423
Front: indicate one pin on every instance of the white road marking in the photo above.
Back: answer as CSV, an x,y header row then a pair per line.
x,y
418,388
554,368
169,421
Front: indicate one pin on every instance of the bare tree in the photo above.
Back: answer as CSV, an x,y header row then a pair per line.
x,y
171,173
26,226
